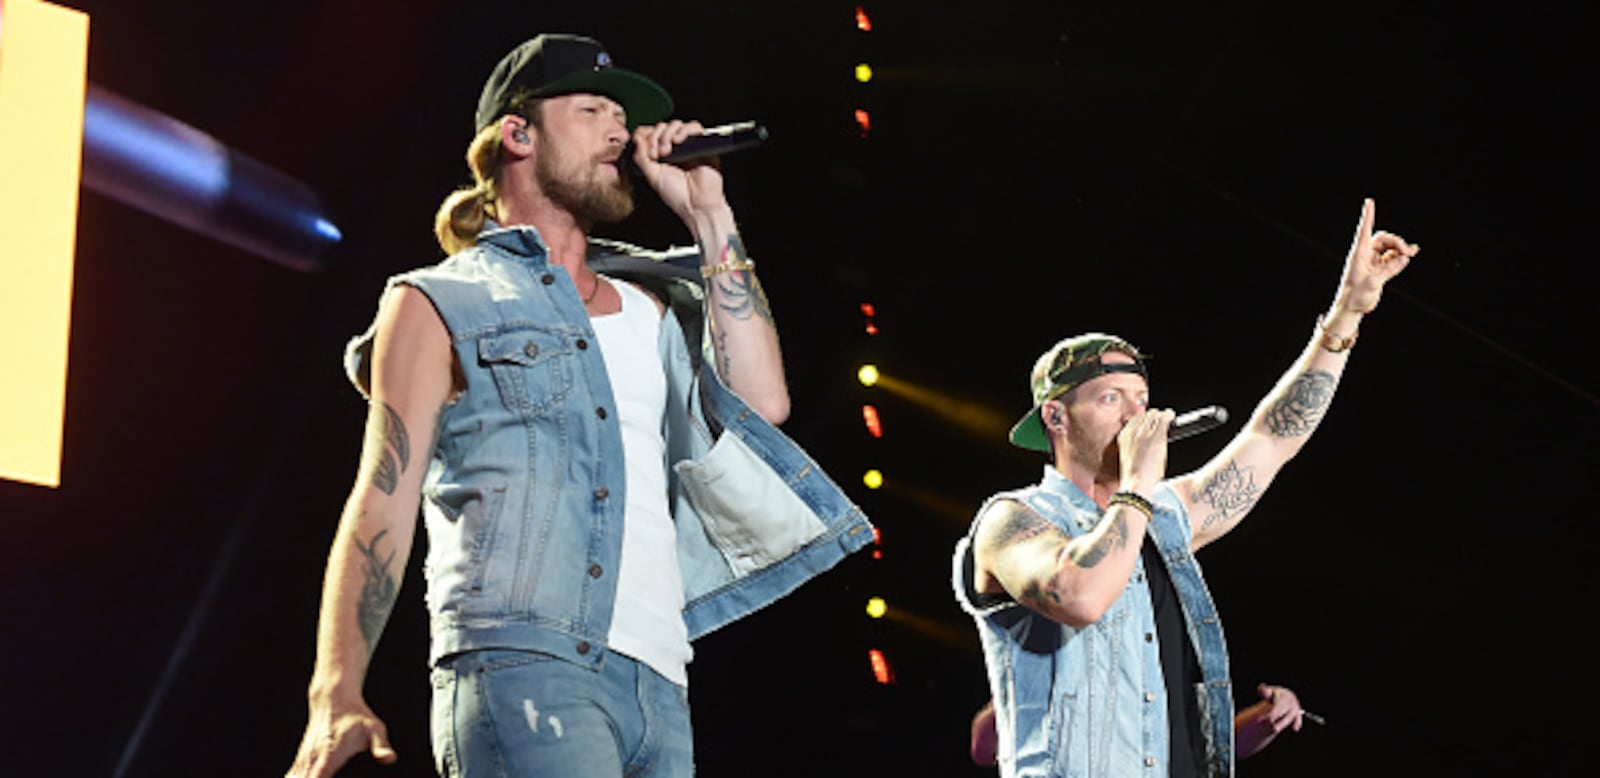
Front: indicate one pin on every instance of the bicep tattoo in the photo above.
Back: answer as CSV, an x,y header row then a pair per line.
x,y
1230,493
1302,405
1018,524
388,447
378,590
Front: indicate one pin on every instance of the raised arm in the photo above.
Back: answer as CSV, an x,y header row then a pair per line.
x,y
743,332
1068,579
411,380
1219,494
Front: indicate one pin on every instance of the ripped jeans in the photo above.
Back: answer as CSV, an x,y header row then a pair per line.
x,y
522,713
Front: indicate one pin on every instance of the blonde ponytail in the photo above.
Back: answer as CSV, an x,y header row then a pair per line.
x,y
460,217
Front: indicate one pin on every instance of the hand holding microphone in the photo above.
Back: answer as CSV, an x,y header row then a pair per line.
x,y
1197,421
711,142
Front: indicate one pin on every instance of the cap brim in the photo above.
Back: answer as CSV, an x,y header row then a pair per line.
x,y
1029,432
644,100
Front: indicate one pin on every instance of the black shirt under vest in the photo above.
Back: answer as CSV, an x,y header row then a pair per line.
x,y
1179,667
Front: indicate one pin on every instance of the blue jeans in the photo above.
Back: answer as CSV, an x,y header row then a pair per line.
x,y
522,713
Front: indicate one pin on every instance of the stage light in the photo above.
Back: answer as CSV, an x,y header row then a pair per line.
x,y
42,85
870,415
873,479
876,607
863,22
864,121
880,667
868,310
868,375
863,72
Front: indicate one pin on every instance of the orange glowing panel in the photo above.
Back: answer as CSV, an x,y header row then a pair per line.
x,y
43,51
870,415
864,121
880,667
863,23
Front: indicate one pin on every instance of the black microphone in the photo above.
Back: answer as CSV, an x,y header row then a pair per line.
x,y
1196,421
715,141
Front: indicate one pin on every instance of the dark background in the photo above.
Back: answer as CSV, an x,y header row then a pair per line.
x,y
1186,175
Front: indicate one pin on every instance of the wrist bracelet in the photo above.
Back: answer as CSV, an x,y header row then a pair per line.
x,y
707,271
1133,500
1332,343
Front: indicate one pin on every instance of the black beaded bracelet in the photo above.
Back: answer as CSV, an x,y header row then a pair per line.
x,y
1133,500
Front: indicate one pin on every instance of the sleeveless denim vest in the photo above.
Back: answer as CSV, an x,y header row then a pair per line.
x,y
1092,702
524,494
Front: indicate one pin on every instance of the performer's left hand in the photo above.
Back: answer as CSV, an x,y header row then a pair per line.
x,y
694,188
1374,259
1285,711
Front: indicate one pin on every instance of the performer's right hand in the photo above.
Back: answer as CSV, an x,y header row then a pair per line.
x,y
1142,446
334,733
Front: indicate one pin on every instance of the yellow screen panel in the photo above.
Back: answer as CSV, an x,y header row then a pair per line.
x,y
43,52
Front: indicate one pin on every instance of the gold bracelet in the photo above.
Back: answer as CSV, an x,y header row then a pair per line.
x,y
707,271
1332,343
1133,500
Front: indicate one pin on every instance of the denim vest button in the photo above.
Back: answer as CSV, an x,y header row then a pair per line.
x,y
1149,761
602,493
582,344
595,571
547,279
1149,696
601,411
532,349
1149,637
583,646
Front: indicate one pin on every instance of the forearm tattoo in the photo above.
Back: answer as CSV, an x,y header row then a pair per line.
x,y
1115,538
388,447
1230,493
378,590
1302,405
742,295
722,351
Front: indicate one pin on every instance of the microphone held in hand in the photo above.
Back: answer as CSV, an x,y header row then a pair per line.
x,y
715,141
1196,421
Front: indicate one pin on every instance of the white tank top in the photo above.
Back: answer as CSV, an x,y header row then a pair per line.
x,y
647,621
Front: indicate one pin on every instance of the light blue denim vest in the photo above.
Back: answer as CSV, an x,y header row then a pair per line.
x,y
523,498
1092,703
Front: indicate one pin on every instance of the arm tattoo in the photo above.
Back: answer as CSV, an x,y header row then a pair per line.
x,y
1231,492
1297,412
378,590
1019,524
1114,539
722,351
388,446
741,290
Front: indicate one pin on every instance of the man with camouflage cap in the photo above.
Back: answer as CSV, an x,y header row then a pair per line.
x,y
1104,650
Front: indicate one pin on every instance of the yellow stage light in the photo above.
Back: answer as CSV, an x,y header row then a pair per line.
x,y
867,375
873,479
876,607
863,72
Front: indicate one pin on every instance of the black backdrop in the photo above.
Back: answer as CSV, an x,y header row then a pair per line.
x,y
1186,175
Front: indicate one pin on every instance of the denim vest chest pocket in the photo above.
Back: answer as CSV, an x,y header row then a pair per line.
x,y
527,366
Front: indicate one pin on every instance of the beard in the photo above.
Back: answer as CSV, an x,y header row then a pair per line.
x,y
576,188
1096,453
